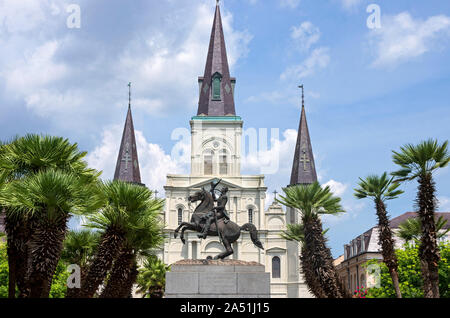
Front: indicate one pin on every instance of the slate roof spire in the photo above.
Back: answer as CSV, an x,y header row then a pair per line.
x,y
303,168
216,86
127,167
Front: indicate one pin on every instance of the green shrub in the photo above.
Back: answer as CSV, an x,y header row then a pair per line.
x,y
410,276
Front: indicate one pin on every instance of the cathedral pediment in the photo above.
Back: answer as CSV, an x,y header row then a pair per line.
x,y
276,250
223,183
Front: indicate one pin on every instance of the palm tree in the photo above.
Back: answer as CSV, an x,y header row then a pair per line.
x,y
18,159
48,198
312,201
381,188
296,232
152,278
125,202
113,223
144,235
419,162
79,248
410,229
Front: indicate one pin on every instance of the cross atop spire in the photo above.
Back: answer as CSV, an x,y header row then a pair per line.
x,y
127,167
303,168
216,86
129,94
303,95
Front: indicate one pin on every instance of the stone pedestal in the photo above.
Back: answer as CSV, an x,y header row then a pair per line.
x,y
217,279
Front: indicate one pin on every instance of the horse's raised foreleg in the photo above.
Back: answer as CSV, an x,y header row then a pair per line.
x,y
182,233
179,227
187,226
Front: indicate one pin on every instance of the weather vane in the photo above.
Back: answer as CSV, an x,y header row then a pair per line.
x,y
129,94
303,95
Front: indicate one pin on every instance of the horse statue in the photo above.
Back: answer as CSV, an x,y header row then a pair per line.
x,y
228,232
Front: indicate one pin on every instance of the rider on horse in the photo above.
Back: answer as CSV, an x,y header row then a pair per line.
x,y
219,211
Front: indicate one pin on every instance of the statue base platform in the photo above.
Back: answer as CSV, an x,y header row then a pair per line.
x,y
217,279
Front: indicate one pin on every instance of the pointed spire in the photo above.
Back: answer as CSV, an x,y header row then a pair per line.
x,y
216,86
127,167
303,168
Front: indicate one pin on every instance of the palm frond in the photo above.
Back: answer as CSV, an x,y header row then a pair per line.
x,y
311,200
379,187
50,192
416,160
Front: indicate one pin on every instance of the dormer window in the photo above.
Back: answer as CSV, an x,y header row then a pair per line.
x,y
216,79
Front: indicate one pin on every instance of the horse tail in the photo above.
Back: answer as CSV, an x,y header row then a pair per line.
x,y
253,234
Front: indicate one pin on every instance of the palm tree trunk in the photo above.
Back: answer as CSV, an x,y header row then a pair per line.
x,y
17,232
428,249
386,242
117,284
12,256
46,244
12,269
310,277
318,254
128,286
108,250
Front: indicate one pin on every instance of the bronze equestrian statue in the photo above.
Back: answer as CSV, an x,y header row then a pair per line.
x,y
207,218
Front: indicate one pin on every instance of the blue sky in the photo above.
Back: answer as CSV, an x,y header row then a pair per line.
x,y
368,91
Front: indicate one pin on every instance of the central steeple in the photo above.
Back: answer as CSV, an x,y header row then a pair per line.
x,y
216,86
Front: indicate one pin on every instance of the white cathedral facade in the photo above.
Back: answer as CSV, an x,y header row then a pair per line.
x,y
216,134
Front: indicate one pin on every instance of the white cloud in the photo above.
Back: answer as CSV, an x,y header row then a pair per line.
x,y
350,4
290,3
336,187
21,16
59,74
154,163
402,38
318,59
35,69
305,35
272,160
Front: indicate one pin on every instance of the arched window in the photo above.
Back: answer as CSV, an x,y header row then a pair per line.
x,y
208,163
276,267
250,216
180,216
223,162
217,78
